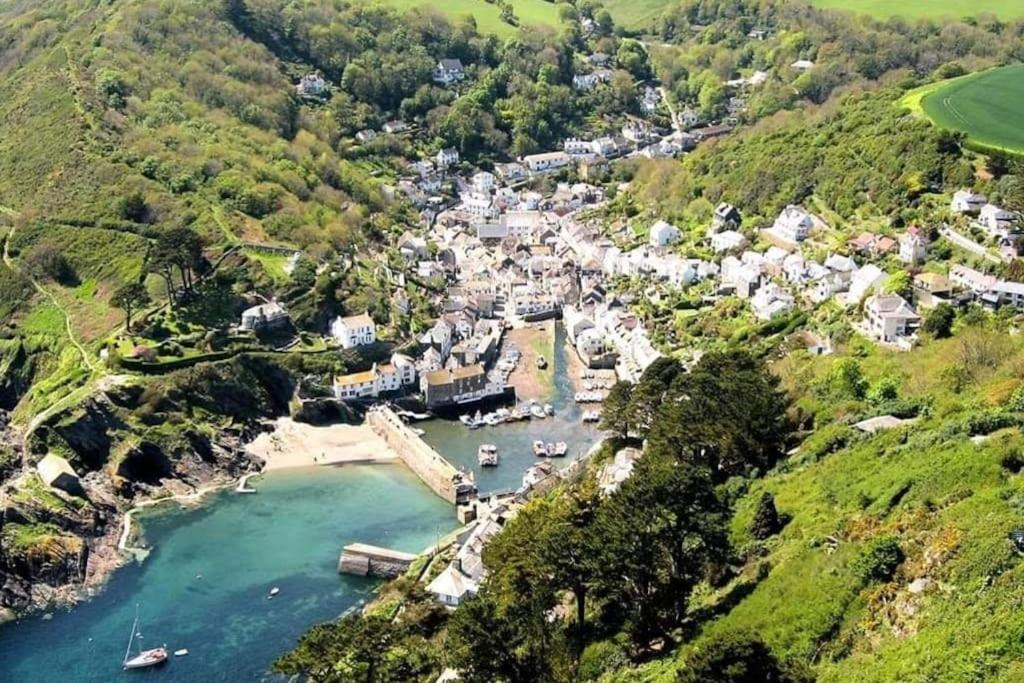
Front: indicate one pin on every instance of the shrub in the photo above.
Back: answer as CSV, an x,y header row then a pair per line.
x,y
766,521
738,657
880,560
46,262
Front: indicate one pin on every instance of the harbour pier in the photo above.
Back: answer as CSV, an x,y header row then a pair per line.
x,y
363,559
441,476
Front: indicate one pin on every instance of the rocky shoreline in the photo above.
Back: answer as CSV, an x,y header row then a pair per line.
x,y
74,546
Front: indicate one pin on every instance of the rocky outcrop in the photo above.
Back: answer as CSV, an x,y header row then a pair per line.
x,y
126,445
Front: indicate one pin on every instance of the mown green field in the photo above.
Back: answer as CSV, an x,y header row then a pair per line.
x,y
487,15
934,9
988,106
638,13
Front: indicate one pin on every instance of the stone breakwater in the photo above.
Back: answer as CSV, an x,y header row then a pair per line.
x,y
363,559
429,465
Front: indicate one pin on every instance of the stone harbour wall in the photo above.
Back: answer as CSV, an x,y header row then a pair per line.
x,y
429,465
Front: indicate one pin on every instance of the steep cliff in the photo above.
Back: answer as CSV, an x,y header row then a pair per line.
x,y
143,439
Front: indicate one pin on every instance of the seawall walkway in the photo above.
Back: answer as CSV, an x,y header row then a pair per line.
x,y
429,465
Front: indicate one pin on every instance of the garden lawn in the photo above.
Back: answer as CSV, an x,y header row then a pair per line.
x,y
987,106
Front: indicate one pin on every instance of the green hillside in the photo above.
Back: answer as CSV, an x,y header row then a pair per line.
x,y
931,9
642,13
528,13
987,106
945,487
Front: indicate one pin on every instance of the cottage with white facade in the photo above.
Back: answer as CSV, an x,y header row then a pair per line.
x,y
889,318
354,330
449,71
449,156
967,202
727,241
663,234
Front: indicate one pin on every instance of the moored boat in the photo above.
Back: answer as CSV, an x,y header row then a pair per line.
x,y
549,409
560,449
143,658
537,411
487,455
542,362
539,449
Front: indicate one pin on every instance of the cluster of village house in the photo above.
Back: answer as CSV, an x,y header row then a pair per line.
x,y
509,257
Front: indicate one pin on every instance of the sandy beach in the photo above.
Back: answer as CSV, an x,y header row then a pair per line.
x,y
295,444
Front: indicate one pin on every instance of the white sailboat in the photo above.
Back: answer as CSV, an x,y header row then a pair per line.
x,y
144,658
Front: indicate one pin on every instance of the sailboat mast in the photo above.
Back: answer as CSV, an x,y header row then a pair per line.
x,y
131,638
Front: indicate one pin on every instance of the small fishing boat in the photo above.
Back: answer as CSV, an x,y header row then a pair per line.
x,y
183,652
539,449
537,411
549,409
560,449
487,455
144,658
273,591
492,419
469,422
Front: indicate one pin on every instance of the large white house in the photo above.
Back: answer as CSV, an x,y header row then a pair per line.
x,y
793,224
866,280
546,161
889,318
913,246
447,157
997,221
968,202
727,240
354,330
449,71
663,234
264,316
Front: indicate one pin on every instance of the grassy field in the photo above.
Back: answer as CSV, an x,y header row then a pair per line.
x,y
635,13
640,13
488,16
933,9
988,106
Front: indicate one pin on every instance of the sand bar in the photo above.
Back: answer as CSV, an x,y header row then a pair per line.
x,y
296,444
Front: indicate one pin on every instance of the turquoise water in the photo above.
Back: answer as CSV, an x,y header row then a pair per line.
x,y
515,440
288,535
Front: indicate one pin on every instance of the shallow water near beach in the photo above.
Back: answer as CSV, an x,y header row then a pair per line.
x,y
288,535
